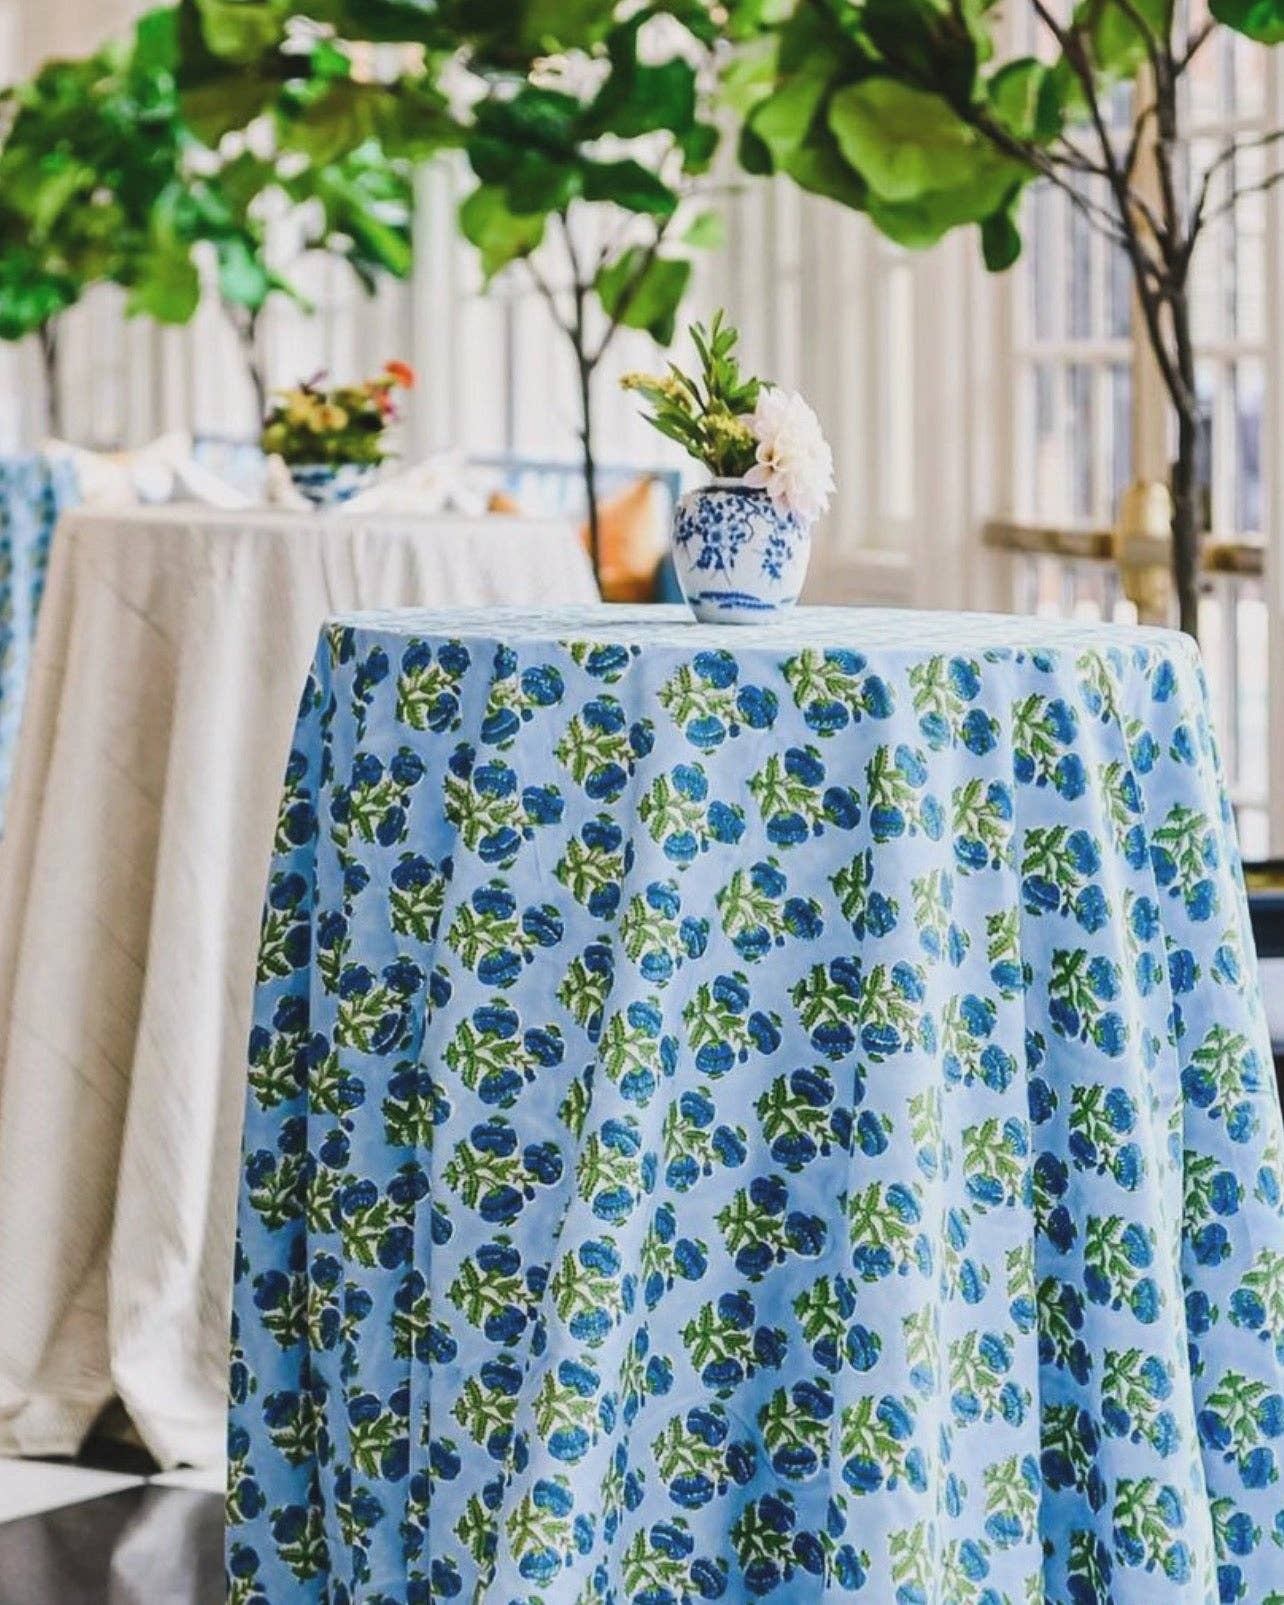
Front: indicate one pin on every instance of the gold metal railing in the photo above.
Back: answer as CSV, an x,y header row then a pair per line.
x,y
1244,555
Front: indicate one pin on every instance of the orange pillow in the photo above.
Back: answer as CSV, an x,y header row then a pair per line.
x,y
501,502
632,538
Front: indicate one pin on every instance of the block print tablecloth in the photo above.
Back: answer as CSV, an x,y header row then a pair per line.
x,y
769,1114
33,492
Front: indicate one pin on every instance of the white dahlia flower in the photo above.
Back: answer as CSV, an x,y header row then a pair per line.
x,y
795,465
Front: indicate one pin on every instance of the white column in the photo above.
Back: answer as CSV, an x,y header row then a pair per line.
x,y
434,310
945,414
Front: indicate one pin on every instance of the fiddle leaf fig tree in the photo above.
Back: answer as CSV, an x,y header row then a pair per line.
x,y
587,124
311,136
88,149
584,175
101,182
909,111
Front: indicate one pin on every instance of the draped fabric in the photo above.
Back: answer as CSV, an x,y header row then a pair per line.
x,y
770,1113
163,693
33,493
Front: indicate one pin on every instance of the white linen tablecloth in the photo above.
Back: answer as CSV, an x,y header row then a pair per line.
x,y
163,693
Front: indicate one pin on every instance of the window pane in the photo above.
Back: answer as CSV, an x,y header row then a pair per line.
x,y
1080,275
1049,445
1250,388
1119,295
1121,474
1206,390
1081,424
1246,250
1043,257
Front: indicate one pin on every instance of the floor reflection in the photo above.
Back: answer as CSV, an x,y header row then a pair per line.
x,y
143,1546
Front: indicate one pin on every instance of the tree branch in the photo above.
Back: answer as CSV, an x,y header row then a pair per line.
x,y
1160,61
1195,43
1152,283
634,286
549,295
1133,155
1259,186
1044,164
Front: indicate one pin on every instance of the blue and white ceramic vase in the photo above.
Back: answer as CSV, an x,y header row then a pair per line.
x,y
331,484
739,559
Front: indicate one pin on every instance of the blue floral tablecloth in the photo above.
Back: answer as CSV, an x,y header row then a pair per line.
x,y
781,1113
33,493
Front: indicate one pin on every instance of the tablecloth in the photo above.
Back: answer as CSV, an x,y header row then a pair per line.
x,y
770,1113
165,682
33,492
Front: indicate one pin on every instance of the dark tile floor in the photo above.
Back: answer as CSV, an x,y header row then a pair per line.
x,y
145,1545
106,1530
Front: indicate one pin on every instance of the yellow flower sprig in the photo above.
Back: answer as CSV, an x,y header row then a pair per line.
x,y
345,424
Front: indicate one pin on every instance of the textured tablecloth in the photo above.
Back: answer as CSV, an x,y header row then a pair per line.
x,y
163,691
780,1112
33,493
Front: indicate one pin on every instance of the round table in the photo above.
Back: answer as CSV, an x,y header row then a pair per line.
x,y
780,1112
163,690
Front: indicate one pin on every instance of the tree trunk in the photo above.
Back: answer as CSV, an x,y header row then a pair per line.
x,y
47,340
590,461
259,385
1186,519
245,323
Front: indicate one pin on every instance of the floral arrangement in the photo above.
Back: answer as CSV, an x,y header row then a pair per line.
x,y
742,428
345,424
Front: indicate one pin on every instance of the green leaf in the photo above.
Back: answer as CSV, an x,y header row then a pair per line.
x,y
243,30
548,26
640,99
1119,44
1262,20
629,185
416,122
926,43
906,143
499,234
168,287
337,121
214,108
699,145
243,278
30,299
818,166
644,293
156,40
1023,98
706,232
781,122
1000,239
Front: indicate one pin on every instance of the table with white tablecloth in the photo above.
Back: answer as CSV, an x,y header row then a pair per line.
x,y
140,824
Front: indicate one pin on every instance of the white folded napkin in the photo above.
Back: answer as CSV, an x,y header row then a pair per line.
x,y
441,483
163,471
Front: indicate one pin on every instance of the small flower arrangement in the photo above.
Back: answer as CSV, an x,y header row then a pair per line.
x,y
346,424
742,428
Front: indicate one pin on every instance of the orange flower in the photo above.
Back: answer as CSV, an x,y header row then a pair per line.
x,y
400,373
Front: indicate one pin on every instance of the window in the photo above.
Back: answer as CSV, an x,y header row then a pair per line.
x,y
1091,415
